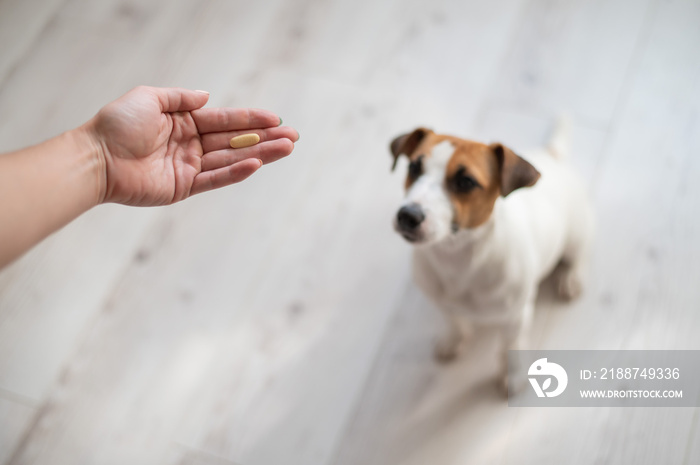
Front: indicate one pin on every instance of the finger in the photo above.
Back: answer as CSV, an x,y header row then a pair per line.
x,y
267,152
177,99
221,140
232,119
222,177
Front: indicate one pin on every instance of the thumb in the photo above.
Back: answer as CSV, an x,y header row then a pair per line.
x,y
178,99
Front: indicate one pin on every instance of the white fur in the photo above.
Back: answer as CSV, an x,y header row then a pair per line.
x,y
428,192
490,274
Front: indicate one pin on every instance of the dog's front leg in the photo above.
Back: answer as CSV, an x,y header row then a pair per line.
x,y
516,336
447,346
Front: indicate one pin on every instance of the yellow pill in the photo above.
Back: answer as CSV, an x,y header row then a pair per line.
x,y
244,140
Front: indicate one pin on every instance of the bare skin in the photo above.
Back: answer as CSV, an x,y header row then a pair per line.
x,y
152,146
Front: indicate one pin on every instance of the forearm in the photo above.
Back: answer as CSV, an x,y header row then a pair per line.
x,y
44,187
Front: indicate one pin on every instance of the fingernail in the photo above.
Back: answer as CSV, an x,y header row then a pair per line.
x,y
298,136
202,91
280,122
261,162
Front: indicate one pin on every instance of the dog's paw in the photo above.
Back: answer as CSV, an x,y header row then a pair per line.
x,y
569,284
446,349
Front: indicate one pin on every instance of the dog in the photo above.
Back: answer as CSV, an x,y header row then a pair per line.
x,y
487,227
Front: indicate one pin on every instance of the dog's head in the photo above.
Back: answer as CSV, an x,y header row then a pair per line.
x,y
453,183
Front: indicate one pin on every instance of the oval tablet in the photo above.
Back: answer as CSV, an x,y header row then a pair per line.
x,y
244,140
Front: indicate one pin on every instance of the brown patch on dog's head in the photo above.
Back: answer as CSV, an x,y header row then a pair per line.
x,y
471,179
406,144
478,174
515,172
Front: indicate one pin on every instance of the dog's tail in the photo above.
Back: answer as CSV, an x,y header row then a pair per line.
x,y
560,142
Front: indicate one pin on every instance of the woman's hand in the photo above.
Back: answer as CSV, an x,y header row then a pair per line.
x,y
152,146
158,146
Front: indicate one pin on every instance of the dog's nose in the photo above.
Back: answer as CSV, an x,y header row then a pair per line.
x,y
410,216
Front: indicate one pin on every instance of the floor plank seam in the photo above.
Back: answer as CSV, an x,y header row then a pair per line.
x,y
486,104
375,363
18,398
12,68
640,47
691,436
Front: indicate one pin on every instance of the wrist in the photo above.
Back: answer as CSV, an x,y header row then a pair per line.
x,y
88,145
47,186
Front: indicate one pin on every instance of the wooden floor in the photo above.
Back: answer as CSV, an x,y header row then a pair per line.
x,y
276,321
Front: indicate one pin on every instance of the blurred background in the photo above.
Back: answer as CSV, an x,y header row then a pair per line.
x,y
276,321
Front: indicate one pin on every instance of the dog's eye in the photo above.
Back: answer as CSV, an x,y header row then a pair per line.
x,y
415,168
462,182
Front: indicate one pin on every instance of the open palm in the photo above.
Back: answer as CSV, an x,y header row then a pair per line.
x,y
160,146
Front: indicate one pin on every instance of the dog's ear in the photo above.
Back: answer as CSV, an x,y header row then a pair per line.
x,y
515,172
406,143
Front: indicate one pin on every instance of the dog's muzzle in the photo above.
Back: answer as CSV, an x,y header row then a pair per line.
x,y
409,219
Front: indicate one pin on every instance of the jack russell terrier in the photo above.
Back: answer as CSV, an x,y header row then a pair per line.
x,y
488,227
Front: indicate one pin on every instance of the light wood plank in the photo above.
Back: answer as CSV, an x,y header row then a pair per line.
x,y
48,298
571,56
21,26
14,419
